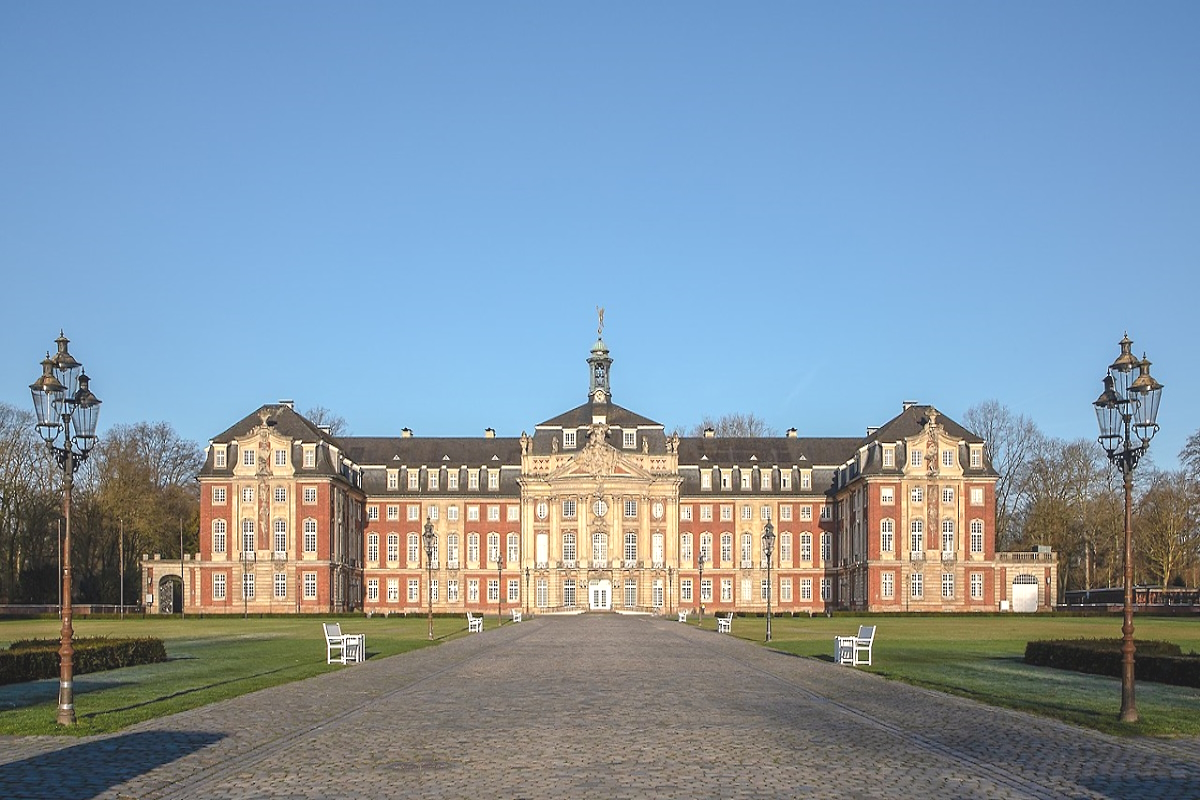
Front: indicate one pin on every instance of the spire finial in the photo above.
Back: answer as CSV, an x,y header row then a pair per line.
x,y
600,327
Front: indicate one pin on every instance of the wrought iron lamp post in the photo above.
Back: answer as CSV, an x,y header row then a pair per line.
x,y
768,545
1127,412
700,588
67,413
500,587
428,538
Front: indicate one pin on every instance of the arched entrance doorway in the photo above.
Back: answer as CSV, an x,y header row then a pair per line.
x,y
600,595
170,595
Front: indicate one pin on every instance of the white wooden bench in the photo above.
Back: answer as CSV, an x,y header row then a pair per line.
x,y
854,650
516,615
683,615
725,623
343,648
474,623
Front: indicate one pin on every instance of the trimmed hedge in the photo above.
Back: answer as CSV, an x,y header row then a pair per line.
x,y
35,659
1159,662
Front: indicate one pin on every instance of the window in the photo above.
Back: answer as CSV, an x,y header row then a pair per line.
x,y
452,548
887,585
916,457
947,494
806,589
372,590
414,480
747,545
280,494
433,591
976,536
513,513
310,495
976,456
414,513
685,590
785,590
726,548
472,591
887,495
514,590
310,536
569,439
948,536
657,593
826,589
747,513
452,591
543,593
373,547
414,549
976,495
630,594
310,457
705,480
806,513
706,513
785,548
569,547
685,513
806,550
826,543
916,587
393,482
785,513
889,456
685,548
826,512
629,439
706,547
373,513
631,509
247,494
393,512
281,458
281,545
976,585
248,535
785,480
473,480
762,589
218,584
764,480
248,586
248,458
432,513
452,514
514,549
493,585
493,513
805,479
947,584
726,513
568,509
393,547
218,536
887,531
433,480
947,458
656,548
493,548
280,586
726,477
599,547
414,589
916,495
568,595
706,590
473,548
472,513
219,458
746,484
630,546
916,536
493,479
726,590
452,480
218,495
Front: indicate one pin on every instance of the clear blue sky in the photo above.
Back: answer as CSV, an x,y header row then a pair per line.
x,y
408,212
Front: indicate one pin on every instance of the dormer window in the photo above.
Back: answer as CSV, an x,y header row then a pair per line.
x,y
310,457
889,455
630,440
219,457
569,440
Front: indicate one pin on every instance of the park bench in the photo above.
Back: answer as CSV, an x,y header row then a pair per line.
x,y
474,623
516,615
683,615
344,648
725,623
854,650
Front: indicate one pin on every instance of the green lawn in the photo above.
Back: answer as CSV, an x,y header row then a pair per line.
x,y
208,660
976,656
981,658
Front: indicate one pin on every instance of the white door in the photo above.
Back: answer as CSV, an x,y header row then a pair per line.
x,y
1025,594
600,596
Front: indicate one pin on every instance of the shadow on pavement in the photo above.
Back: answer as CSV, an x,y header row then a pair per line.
x,y
90,768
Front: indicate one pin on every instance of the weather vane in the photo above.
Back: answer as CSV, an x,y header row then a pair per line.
x,y
600,327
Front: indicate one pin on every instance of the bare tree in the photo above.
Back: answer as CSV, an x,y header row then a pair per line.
x,y
1167,526
748,425
322,417
1011,443
1189,456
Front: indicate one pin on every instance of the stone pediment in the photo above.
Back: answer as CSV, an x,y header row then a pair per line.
x,y
600,460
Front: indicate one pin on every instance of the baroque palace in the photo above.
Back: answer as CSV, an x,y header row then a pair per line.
x,y
599,509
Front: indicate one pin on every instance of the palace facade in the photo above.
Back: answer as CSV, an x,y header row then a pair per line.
x,y
598,509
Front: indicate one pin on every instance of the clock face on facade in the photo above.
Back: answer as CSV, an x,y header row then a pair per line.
x,y
657,510
542,510
600,508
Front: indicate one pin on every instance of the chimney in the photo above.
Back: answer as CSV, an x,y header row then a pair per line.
x,y
791,433
289,403
872,430
909,404
489,433
709,433
406,433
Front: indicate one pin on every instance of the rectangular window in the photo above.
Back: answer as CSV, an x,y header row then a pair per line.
x,y
706,590
947,458
806,550
785,513
826,589
219,458
685,513
280,494
785,548
976,456
414,480
218,495
472,480
826,542
218,536
916,585
569,439
630,546
514,590
281,536
764,479
947,584
827,512
393,512
629,439
281,458
947,495
310,457
785,590
433,480
310,495
414,513
248,535
493,513
746,486
452,480
976,585
373,547
393,479
630,594
568,509
887,495
569,598
726,590
726,513
887,533
747,513
248,586
452,514
726,479
806,513
373,590
889,456
705,480
543,593
247,494
248,459
393,548
916,458
473,548
657,593
916,495
631,509
976,536
805,479
452,591
887,585
706,513
976,495
414,590
393,590
493,479
685,590
785,480
431,513
493,589
218,584
372,513
280,586
310,536
472,513
414,549
806,589
513,513
433,591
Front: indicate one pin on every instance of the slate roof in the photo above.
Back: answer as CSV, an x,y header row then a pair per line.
x,y
616,417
